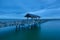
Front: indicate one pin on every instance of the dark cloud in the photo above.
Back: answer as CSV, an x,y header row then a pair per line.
x,y
23,6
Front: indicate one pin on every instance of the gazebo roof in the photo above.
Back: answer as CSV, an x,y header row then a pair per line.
x,y
31,16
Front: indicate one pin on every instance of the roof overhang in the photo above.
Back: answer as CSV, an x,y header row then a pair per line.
x,y
31,16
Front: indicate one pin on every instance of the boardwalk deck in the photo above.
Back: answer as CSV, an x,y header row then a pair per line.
x,y
22,23
15,23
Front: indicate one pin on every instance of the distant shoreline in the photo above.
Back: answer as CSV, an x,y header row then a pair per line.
x,y
24,19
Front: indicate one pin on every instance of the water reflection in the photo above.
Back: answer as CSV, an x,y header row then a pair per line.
x,y
31,34
49,30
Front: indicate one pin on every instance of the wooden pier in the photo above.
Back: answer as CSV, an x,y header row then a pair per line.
x,y
31,20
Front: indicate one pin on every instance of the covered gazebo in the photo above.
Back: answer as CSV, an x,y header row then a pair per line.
x,y
28,15
32,16
35,20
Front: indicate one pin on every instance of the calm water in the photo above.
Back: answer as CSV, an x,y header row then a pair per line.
x,y
48,31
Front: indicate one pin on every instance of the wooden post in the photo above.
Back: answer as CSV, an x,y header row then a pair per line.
x,y
16,28
39,22
27,20
19,27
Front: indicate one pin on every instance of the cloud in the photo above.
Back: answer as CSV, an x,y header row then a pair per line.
x,y
48,13
26,5
12,16
42,7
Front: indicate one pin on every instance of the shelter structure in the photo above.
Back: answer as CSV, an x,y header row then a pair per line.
x,y
33,17
21,24
35,20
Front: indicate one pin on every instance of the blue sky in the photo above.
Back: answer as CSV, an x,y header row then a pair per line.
x,y
18,7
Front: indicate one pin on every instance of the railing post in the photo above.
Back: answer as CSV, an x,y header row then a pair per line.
x,y
16,27
19,27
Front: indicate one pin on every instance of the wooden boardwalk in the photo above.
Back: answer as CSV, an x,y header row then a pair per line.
x,y
34,19
16,23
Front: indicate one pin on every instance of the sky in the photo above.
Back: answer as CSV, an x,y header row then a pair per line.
x,y
17,8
